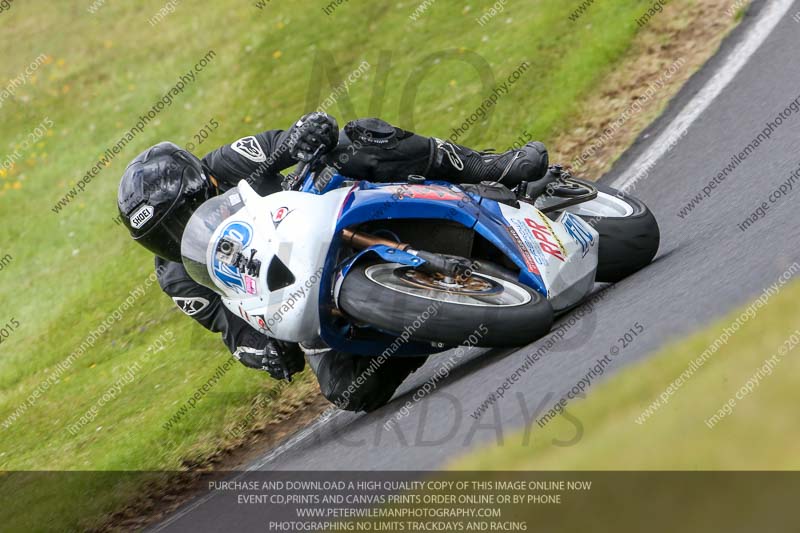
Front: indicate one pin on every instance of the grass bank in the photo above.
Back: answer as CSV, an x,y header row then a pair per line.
x,y
715,401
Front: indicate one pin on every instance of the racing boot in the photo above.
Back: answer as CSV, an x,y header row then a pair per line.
x,y
459,164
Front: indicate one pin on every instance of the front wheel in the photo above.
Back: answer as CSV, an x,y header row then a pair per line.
x,y
629,234
482,310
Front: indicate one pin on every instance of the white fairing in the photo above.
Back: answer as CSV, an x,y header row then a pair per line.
x,y
298,229
563,252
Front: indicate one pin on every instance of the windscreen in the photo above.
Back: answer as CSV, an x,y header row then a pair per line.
x,y
197,235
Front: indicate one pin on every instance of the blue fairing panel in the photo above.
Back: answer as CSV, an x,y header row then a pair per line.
x,y
369,201
436,200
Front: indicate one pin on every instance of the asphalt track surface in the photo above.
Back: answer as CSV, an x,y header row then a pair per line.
x,y
706,266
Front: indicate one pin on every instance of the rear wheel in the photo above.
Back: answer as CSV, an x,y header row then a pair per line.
x,y
629,234
482,310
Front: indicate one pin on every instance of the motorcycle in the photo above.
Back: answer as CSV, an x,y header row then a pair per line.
x,y
414,267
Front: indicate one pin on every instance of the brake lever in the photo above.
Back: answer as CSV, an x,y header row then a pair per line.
x,y
293,179
544,185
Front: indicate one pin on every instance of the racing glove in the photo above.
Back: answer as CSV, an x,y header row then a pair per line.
x,y
312,131
280,359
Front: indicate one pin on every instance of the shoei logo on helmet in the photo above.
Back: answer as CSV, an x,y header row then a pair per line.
x,y
249,148
141,216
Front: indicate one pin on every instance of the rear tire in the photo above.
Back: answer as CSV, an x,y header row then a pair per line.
x,y
628,243
369,294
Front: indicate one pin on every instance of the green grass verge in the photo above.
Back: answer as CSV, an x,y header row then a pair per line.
x,y
70,270
755,432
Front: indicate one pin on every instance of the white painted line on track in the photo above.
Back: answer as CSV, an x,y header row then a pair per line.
x,y
760,29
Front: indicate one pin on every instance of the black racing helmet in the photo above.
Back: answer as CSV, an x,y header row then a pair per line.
x,y
158,193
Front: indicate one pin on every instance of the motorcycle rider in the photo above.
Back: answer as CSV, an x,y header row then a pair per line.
x,y
163,185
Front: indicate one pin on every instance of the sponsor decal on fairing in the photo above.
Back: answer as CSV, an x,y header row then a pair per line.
x,y
280,215
229,275
575,227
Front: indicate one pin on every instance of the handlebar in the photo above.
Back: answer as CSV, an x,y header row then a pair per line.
x,y
294,181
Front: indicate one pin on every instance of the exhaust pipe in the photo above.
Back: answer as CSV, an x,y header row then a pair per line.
x,y
434,263
450,266
360,241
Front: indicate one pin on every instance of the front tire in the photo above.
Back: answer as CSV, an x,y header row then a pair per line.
x,y
629,234
485,310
